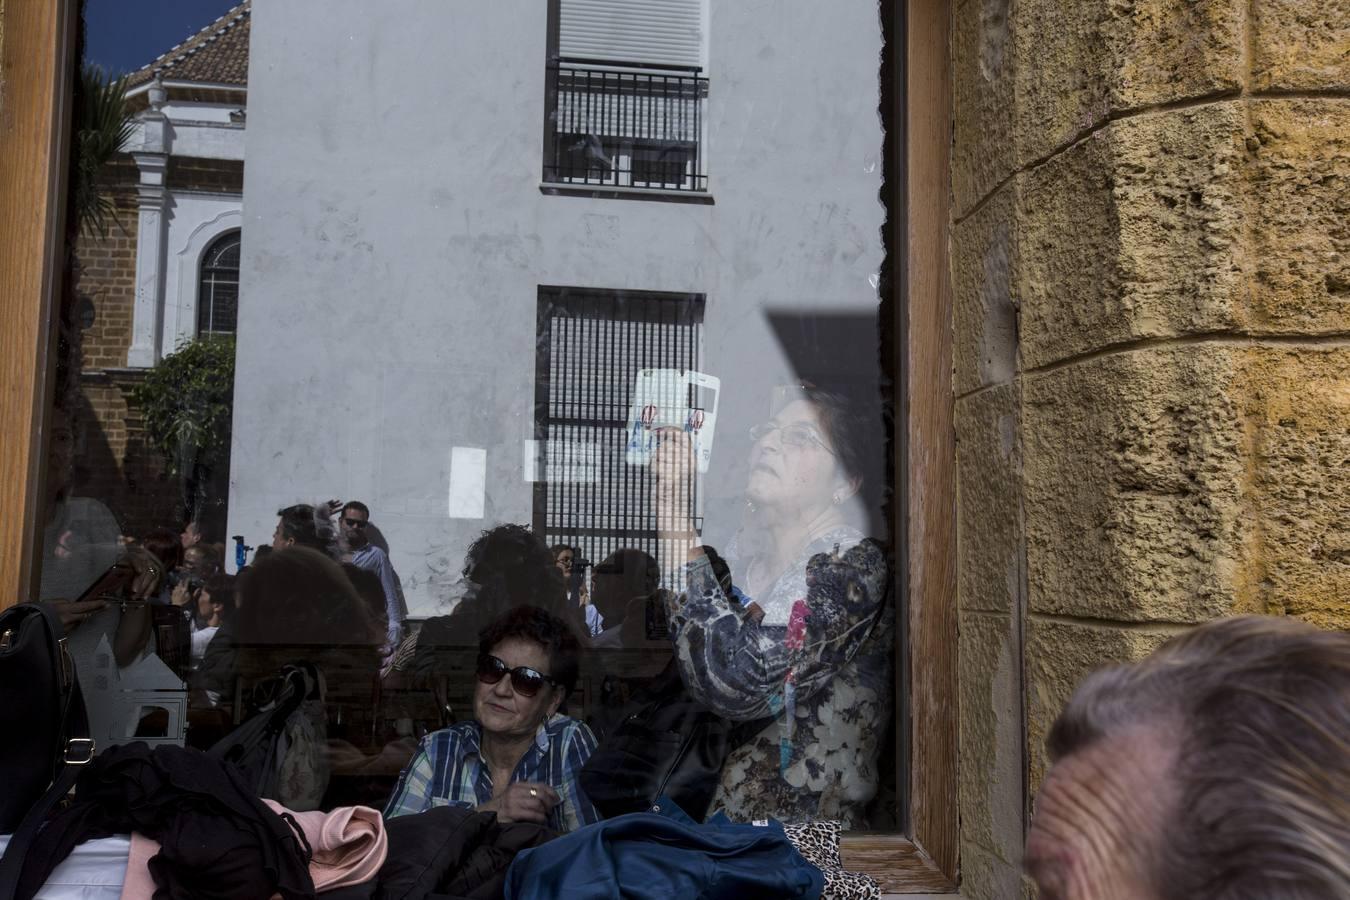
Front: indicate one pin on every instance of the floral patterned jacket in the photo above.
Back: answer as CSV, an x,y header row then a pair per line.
x,y
818,660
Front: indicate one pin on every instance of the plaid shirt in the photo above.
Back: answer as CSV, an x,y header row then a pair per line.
x,y
448,770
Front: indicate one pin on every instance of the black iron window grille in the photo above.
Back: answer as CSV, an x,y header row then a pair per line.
x,y
591,346
622,126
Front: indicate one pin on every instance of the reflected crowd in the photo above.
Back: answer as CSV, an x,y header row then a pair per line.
x,y
519,698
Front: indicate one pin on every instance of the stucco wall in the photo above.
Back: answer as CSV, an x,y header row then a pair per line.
x,y
1152,336
395,238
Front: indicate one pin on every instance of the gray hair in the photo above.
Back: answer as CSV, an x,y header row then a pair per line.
x,y
1262,707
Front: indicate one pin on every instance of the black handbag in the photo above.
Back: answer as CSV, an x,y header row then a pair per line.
x,y
667,744
258,749
44,725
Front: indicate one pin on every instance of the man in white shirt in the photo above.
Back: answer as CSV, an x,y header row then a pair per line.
x,y
360,552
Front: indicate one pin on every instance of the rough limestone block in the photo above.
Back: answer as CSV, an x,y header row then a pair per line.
x,y
1300,44
989,535
1058,656
1134,233
1299,171
1134,499
1298,415
985,876
983,151
985,309
1077,63
1184,483
992,760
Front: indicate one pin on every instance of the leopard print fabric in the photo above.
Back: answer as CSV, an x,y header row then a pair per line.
x,y
818,843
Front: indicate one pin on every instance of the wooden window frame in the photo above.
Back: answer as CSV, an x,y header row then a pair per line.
x,y
36,76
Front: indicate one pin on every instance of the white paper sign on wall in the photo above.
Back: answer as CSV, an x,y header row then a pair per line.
x,y
468,482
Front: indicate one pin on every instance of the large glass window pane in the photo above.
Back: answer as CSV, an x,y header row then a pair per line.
x,y
516,372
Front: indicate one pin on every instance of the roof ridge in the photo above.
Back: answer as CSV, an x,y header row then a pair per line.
x,y
234,14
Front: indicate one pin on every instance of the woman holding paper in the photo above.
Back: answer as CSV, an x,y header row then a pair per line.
x,y
810,642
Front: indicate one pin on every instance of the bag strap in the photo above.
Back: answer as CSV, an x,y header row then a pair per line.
x,y
78,752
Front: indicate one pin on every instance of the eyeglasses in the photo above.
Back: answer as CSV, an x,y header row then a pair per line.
x,y
354,523
524,680
798,435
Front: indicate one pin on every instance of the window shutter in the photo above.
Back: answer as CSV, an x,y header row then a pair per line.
x,y
653,32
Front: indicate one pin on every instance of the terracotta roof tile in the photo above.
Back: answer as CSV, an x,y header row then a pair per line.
x,y
218,54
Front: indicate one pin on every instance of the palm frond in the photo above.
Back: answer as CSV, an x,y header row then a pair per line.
x,y
105,128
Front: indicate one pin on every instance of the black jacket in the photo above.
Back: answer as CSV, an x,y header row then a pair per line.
x,y
452,852
216,839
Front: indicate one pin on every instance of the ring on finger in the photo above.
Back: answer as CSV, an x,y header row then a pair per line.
x,y
534,793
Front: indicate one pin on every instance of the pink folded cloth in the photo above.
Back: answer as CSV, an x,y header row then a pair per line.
x,y
349,846
138,885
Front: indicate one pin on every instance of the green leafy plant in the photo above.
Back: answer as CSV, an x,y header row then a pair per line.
x,y
105,127
186,401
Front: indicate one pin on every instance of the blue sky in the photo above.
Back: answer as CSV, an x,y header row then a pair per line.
x,y
123,35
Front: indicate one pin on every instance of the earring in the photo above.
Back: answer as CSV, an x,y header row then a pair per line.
x,y
838,498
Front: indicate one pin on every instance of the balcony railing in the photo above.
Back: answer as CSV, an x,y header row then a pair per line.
x,y
623,127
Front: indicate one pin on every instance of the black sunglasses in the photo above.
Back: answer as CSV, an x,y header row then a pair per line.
x,y
355,523
524,680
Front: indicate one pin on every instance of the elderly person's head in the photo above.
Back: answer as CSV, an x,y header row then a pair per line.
x,y
527,665
1218,767
811,457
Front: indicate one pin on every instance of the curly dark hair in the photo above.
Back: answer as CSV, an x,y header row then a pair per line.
x,y
510,566
506,567
530,623
510,550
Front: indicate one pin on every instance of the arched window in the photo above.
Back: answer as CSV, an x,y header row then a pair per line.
x,y
218,291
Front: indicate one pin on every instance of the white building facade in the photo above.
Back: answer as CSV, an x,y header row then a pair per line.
x,y
192,108
468,227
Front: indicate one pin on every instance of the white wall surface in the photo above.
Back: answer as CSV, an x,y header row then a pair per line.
x,y
208,140
202,130
190,111
395,238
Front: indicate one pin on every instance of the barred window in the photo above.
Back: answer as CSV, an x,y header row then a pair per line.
x,y
593,346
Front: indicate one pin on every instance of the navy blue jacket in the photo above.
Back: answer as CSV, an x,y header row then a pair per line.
x,y
664,853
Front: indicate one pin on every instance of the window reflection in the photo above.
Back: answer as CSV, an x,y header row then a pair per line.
x,y
218,293
521,469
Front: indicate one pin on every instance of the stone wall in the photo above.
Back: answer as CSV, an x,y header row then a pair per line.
x,y
1151,261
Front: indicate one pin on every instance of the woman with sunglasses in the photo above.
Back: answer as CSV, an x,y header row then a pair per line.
x,y
519,757
802,644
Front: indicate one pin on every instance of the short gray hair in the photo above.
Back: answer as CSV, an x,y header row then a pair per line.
x,y
1262,711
